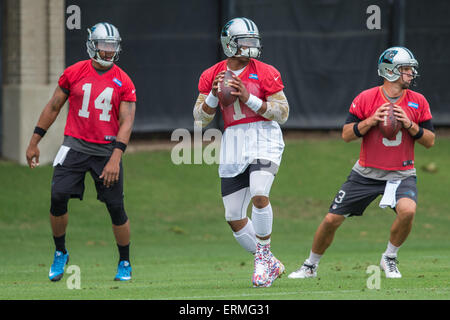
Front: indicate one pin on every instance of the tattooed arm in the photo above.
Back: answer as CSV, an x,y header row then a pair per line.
x,y
276,108
199,111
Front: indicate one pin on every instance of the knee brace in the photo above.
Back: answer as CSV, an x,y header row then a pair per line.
x,y
261,183
59,204
236,205
117,213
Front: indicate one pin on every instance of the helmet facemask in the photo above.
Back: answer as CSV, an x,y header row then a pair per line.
x,y
248,46
399,74
415,73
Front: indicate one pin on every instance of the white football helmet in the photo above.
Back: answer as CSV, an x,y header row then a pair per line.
x,y
103,36
393,58
240,38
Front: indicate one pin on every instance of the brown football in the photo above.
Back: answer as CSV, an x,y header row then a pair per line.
x,y
224,90
390,126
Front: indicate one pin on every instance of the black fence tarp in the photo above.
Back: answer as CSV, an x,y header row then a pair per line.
x,y
165,46
427,33
323,49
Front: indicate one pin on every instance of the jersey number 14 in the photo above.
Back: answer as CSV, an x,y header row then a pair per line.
x,y
102,102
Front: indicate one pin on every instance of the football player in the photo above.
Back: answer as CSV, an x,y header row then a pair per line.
x,y
252,143
385,167
101,114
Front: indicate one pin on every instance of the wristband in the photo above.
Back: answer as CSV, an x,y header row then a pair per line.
x,y
410,126
254,103
39,131
120,145
419,134
356,130
211,100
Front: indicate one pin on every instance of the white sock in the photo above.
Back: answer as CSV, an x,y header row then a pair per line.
x,y
314,258
391,250
246,237
262,221
263,242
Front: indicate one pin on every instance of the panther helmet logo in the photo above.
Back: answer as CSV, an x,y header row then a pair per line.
x,y
388,57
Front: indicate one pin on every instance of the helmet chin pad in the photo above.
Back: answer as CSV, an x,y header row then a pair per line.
x,y
103,63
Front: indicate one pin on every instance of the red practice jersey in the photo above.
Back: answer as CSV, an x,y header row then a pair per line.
x,y
94,101
377,151
260,79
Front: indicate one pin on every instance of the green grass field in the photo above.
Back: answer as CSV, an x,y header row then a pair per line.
x,y
182,248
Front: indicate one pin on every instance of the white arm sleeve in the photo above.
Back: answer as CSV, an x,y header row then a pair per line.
x,y
199,114
277,108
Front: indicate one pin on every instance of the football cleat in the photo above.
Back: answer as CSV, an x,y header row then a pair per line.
x,y
276,270
261,270
307,270
389,265
60,260
123,271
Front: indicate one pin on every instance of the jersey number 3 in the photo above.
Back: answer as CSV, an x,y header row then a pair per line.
x,y
102,102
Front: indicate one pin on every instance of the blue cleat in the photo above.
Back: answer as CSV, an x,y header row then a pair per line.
x,y
57,269
123,271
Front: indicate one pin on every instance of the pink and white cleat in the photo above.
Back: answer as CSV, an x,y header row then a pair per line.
x,y
267,267
261,267
276,270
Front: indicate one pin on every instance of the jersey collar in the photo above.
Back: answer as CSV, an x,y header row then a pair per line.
x,y
380,88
